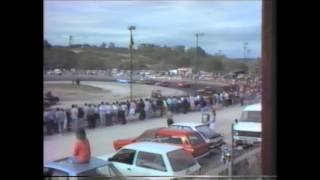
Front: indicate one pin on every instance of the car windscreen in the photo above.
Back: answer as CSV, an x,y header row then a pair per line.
x,y
171,140
206,131
180,160
251,116
195,139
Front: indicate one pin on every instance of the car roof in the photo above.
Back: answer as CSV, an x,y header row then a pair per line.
x,y
247,126
153,147
76,168
254,107
174,132
191,124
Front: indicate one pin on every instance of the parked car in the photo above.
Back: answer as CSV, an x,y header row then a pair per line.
x,y
96,167
214,139
191,141
153,159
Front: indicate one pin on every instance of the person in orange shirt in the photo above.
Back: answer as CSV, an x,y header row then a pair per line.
x,y
81,151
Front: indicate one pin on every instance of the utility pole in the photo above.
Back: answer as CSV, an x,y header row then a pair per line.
x,y
244,49
131,28
70,40
196,62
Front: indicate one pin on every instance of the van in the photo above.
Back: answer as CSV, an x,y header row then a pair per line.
x,y
248,129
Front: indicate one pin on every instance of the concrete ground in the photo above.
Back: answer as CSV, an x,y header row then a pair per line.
x,y
59,146
105,91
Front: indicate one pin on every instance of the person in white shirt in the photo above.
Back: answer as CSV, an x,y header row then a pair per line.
x,y
74,117
192,103
221,97
102,113
85,116
114,112
133,108
147,108
108,114
123,109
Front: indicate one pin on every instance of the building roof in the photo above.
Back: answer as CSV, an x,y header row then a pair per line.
x,y
254,107
75,169
159,148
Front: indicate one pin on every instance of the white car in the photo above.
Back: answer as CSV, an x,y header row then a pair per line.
x,y
248,129
214,139
153,159
57,72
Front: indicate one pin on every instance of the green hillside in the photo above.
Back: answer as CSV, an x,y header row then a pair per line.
x,y
156,58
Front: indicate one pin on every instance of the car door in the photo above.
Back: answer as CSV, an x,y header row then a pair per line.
x,y
123,161
150,164
198,144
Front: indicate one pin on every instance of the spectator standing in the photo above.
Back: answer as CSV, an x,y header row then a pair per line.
x,y
108,114
160,106
114,112
96,115
61,116
128,108
102,113
132,108
169,118
49,117
141,105
221,98
169,103
185,105
85,117
90,114
192,103
81,117
74,118
147,107
69,120
122,113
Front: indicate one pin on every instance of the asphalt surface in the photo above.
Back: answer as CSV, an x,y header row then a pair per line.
x,y
101,138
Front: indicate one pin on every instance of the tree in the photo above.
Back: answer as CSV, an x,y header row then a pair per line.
x,y
180,48
86,46
112,45
103,45
200,52
215,65
184,61
243,67
46,44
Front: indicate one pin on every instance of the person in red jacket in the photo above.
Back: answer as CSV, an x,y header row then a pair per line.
x,y
81,151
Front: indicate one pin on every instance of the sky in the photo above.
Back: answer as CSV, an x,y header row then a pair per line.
x,y
226,24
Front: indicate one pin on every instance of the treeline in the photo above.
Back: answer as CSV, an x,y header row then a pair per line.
x,y
148,56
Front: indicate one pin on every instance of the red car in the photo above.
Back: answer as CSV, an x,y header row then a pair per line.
x,y
163,84
183,85
191,141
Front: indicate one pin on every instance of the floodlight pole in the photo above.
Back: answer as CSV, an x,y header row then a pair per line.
x,y
131,28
